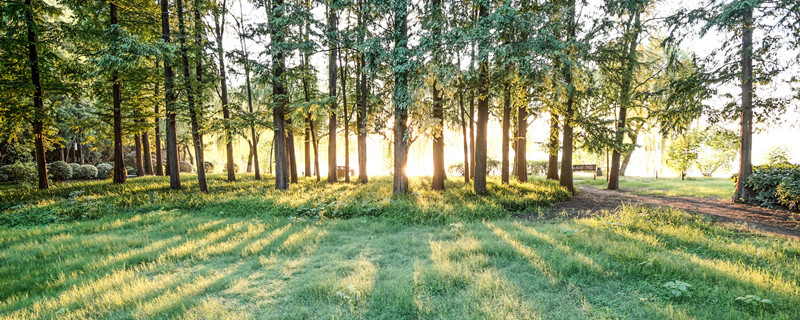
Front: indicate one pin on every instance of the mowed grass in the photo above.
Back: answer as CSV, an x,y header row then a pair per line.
x,y
703,187
196,262
250,198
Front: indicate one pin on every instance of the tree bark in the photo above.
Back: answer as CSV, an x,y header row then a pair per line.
x,y
223,83
552,147
169,98
522,144
307,149
197,138
472,133
253,135
139,155
744,193
504,167
38,102
362,107
292,155
464,134
483,116
625,101
315,143
148,156
332,21
119,163
567,144
401,98
345,118
157,137
439,174
279,95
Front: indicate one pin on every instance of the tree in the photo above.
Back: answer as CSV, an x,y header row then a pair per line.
x,y
38,104
683,152
401,97
483,103
220,11
279,97
435,26
332,68
718,150
171,108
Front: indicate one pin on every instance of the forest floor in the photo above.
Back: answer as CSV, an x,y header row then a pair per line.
x,y
591,200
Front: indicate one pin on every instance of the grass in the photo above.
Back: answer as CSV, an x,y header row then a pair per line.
x,y
703,187
250,198
195,262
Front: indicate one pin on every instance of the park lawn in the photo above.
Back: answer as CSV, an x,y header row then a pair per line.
x,y
202,262
702,187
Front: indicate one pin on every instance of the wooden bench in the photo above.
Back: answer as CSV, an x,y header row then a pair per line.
x,y
586,167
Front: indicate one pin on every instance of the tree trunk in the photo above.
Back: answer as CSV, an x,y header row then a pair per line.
x,y
504,167
744,193
292,155
345,118
625,161
315,144
332,20
362,110
567,144
401,98
472,133
223,83
157,137
148,156
483,116
38,102
439,174
139,156
197,137
250,157
522,144
464,134
625,101
279,95
119,175
552,147
307,149
169,98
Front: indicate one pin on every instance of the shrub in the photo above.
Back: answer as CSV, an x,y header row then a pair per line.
x,y
20,172
779,155
776,185
75,167
86,171
185,166
456,169
130,170
59,171
103,169
537,167
110,174
209,167
235,168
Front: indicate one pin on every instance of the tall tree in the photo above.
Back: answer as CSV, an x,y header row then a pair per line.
x,y
38,102
249,88
568,144
279,97
197,138
220,11
439,174
332,68
119,163
483,106
504,176
171,108
361,118
744,192
157,136
401,97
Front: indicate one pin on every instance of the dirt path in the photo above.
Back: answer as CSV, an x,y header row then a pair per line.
x,y
592,200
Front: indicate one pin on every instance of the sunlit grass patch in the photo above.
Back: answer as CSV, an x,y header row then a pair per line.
x,y
703,187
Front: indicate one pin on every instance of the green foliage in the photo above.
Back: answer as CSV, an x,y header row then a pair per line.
x,y
776,185
103,170
683,152
678,289
537,167
20,172
86,172
75,167
59,171
719,148
779,155
754,300
235,168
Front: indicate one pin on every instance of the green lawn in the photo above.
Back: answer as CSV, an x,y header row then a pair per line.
x,y
719,188
229,258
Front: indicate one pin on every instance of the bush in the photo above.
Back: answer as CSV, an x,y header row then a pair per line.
x,y
185,166
130,170
20,172
776,185
456,169
779,155
209,167
537,167
235,168
59,171
75,168
103,169
86,171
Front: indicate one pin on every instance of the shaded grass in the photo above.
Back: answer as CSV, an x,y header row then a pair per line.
x,y
703,187
189,263
251,198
